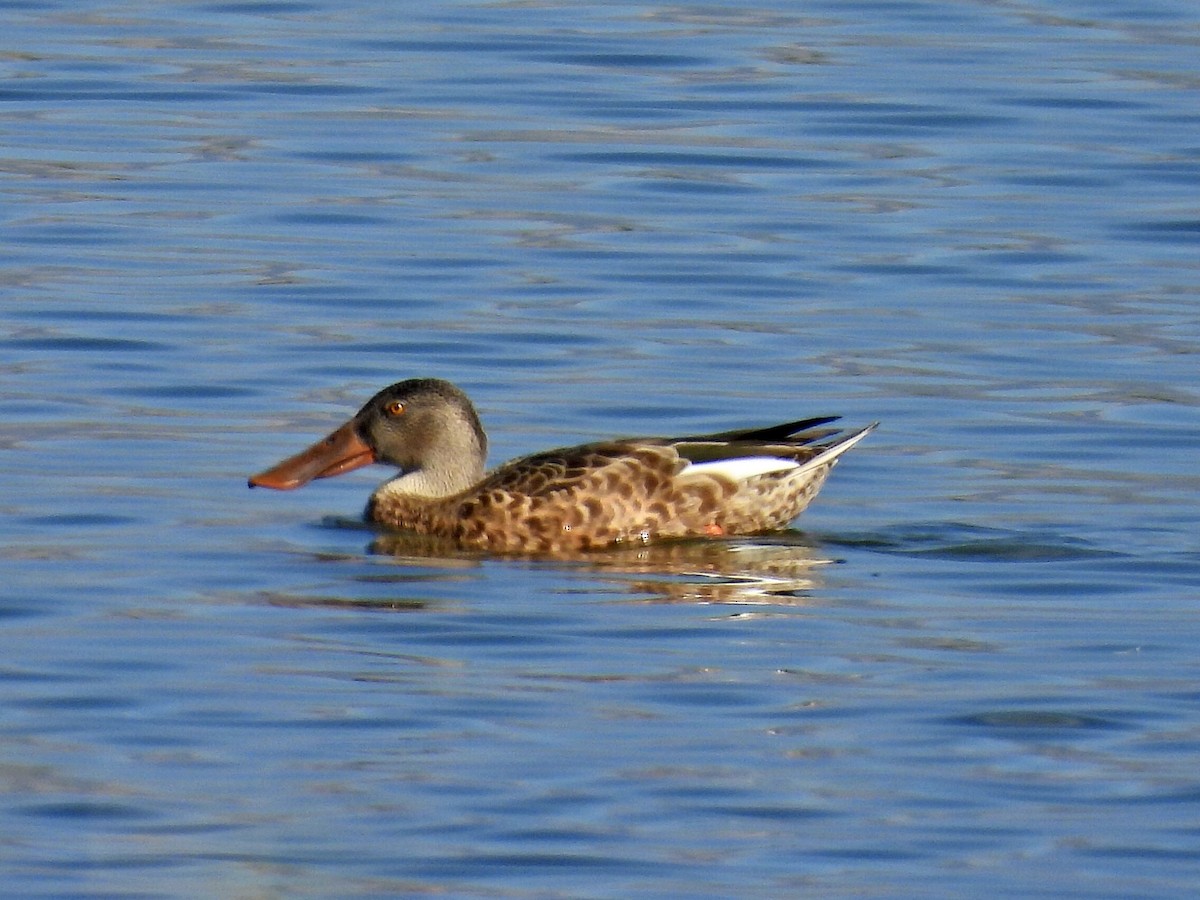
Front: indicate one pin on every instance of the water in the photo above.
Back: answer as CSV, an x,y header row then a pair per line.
x,y
970,671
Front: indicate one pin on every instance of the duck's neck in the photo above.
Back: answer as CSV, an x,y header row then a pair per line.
x,y
413,501
432,482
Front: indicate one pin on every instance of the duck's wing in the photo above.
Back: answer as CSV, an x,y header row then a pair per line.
x,y
644,463
774,448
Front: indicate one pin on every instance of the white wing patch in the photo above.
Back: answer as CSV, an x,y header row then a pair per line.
x,y
739,469
745,467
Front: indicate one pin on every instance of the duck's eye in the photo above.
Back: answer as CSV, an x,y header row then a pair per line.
x,y
395,408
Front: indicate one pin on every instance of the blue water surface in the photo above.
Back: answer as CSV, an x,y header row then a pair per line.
x,y
970,670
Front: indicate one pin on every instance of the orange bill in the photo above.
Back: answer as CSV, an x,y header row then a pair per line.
x,y
342,451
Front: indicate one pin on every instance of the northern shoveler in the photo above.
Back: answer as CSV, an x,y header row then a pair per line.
x,y
576,498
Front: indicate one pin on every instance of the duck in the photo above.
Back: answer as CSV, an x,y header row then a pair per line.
x,y
595,495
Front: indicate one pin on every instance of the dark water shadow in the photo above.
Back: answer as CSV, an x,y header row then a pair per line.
x,y
971,543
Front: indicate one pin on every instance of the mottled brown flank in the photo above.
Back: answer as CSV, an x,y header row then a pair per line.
x,y
601,494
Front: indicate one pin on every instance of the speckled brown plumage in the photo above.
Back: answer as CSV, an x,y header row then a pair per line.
x,y
576,498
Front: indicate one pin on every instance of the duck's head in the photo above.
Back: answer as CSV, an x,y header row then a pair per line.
x,y
424,426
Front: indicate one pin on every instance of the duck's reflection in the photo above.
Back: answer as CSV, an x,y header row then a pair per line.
x,y
778,570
